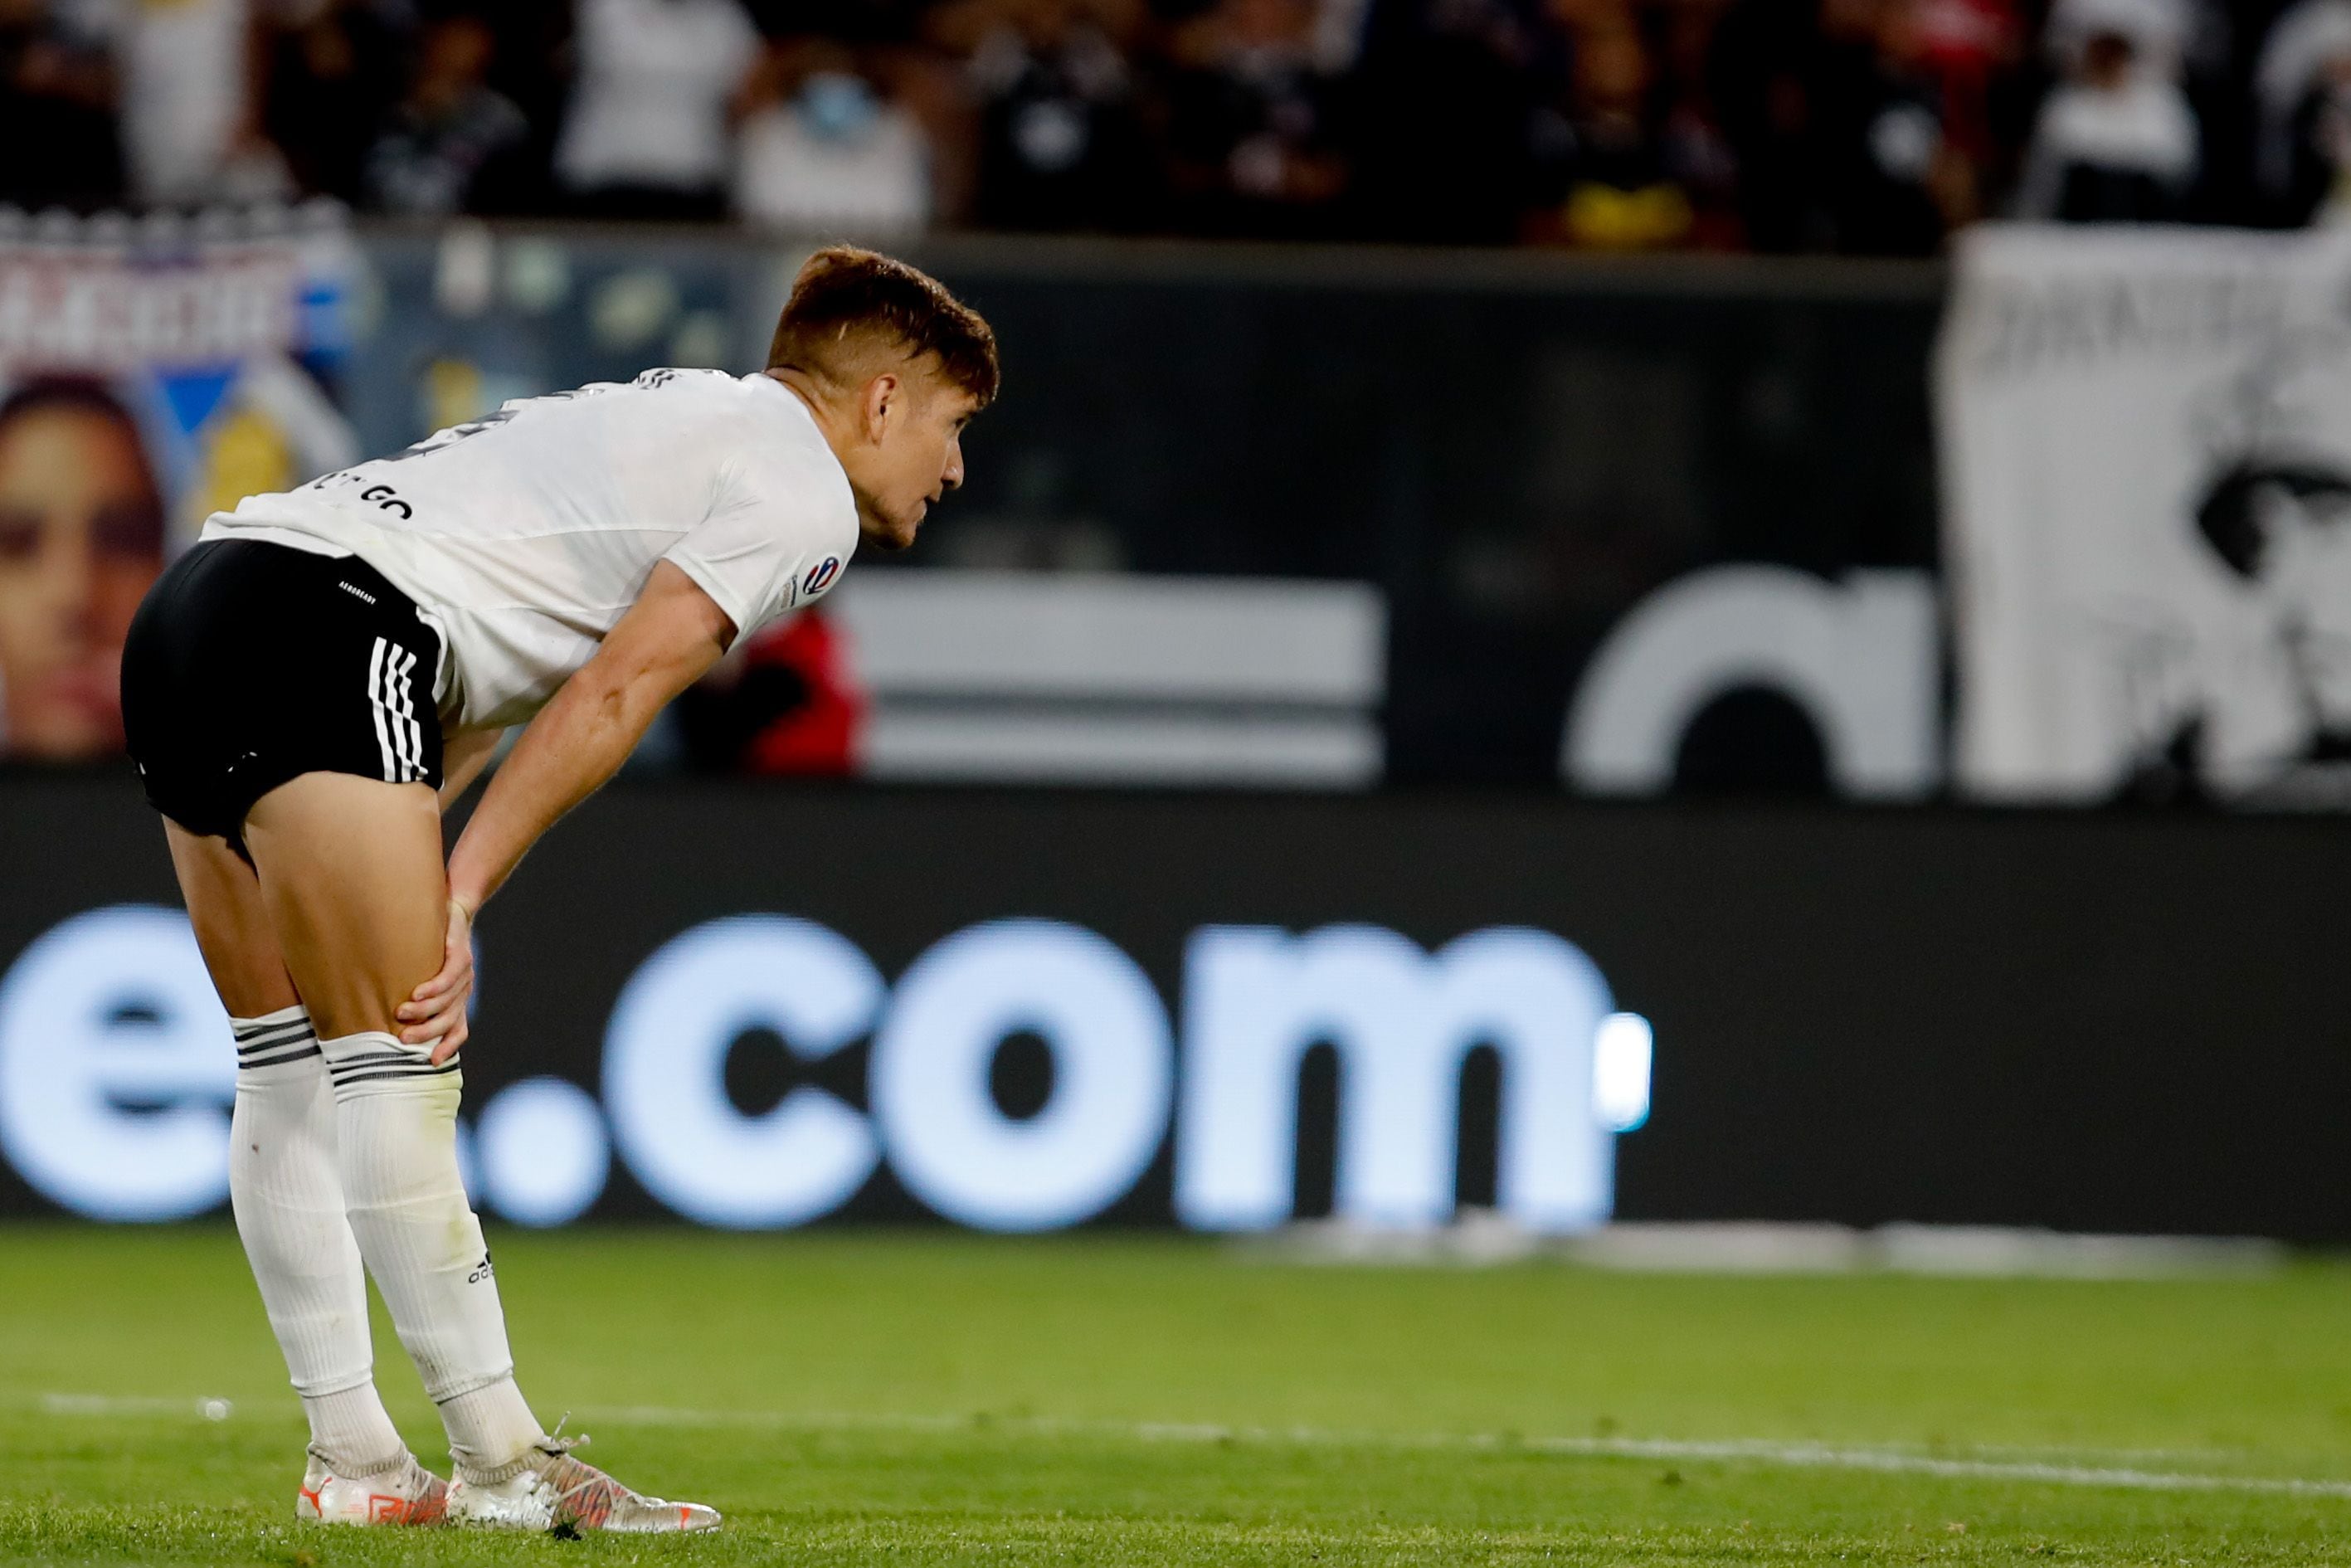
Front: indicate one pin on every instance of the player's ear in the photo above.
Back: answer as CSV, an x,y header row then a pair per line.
x,y
883,395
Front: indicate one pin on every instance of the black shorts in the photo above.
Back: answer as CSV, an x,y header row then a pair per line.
x,y
250,663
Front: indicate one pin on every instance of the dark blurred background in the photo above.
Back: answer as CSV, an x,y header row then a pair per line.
x,y
1854,126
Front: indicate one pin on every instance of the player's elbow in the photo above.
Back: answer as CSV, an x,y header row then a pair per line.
x,y
606,696
633,695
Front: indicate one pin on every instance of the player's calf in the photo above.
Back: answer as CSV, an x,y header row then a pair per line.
x,y
396,1114
289,1200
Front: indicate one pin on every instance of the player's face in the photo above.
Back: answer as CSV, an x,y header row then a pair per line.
x,y
915,458
81,541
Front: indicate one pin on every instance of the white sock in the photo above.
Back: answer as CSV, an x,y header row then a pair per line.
x,y
288,1202
396,1134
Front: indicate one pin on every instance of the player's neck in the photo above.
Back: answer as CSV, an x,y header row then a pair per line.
x,y
832,428
803,387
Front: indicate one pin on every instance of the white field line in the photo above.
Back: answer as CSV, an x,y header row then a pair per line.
x,y
1803,1456
134,1405
1796,1456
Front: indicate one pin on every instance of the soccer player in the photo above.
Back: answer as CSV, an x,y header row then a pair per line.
x,y
311,686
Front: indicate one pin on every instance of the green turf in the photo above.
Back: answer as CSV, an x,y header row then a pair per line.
x,y
924,1398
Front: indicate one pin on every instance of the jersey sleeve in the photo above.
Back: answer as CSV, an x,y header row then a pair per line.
x,y
771,542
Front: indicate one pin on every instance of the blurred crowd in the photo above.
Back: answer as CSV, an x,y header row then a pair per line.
x,y
1858,125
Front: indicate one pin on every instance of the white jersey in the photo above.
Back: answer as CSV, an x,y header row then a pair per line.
x,y
523,536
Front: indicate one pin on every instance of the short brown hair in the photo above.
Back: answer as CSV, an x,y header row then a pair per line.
x,y
843,293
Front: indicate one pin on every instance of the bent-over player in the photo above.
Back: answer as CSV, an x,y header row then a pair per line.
x,y
313,683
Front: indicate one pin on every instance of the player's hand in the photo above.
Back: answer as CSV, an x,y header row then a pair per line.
x,y
436,1011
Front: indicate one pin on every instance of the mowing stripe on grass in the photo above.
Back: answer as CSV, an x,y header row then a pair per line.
x,y
1798,1456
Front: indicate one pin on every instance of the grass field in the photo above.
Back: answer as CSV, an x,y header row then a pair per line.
x,y
927,1398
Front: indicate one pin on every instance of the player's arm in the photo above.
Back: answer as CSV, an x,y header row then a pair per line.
x,y
463,757
666,642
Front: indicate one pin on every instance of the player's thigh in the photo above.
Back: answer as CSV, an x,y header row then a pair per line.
x,y
232,925
352,878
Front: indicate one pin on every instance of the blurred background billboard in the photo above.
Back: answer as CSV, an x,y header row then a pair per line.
x,y
1028,1009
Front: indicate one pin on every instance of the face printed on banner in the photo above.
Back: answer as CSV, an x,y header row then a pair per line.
x,y
82,539
2306,568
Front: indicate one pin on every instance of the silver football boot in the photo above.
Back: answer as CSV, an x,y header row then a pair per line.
x,y
555,1491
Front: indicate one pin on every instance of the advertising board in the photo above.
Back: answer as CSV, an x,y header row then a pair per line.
x,y
758,1006
755,1069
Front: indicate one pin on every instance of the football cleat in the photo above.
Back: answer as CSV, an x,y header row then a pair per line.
x,y
407,1493
557,1492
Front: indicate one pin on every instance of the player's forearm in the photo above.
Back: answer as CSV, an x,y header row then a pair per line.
x,y
577,742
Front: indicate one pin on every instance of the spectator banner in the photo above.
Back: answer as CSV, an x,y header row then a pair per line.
x,y
150,373
2145,442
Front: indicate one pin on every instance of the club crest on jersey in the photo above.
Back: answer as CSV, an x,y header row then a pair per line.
x,y
819,577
